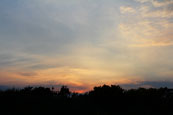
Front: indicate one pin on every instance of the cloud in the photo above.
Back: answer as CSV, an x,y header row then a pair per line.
x,y
157,3
28,74
147,33
142,1
161,3
149,84
150,26
147,12
162,8
10,59
127,9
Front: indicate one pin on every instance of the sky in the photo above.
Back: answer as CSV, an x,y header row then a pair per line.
x,y
85,43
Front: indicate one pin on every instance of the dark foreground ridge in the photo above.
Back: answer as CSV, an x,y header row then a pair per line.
x,y
103,100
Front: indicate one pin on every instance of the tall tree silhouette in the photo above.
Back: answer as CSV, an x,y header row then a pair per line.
x,y
64,91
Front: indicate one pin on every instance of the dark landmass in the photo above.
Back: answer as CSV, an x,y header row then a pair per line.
x,y
102,100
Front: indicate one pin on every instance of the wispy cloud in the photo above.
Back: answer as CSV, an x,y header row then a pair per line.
x,y
127,9
147,33
161,3
157,3
149,84
150,26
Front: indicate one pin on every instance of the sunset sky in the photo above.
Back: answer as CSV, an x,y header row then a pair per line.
x,y
84,43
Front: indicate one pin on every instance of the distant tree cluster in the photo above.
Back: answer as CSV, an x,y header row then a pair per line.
x,y
102,100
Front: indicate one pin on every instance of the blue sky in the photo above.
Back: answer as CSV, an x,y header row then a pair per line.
x,y
85,42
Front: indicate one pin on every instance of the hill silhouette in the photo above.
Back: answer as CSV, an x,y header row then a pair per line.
x,y
102,100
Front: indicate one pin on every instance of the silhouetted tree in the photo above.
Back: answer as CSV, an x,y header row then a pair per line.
x,y
64,91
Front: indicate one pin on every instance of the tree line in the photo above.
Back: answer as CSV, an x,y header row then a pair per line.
x,y
102,100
